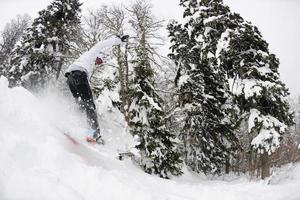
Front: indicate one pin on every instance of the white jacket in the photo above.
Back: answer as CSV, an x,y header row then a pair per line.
x,y
86,62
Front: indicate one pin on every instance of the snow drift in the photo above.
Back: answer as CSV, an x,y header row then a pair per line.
x,y
38,162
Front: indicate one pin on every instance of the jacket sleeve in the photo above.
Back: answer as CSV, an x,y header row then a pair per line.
x,y
87,59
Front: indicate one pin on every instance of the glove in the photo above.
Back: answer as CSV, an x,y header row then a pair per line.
x,y
124,38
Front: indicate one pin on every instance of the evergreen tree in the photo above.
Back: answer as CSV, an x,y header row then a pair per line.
x,y
224,41
208,132
11,34
258,91
43,50
146,114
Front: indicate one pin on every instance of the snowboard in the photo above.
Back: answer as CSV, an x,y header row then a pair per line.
x,y
78,141
71,139
121,155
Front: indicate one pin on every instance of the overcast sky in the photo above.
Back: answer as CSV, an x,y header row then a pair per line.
x,y
278,20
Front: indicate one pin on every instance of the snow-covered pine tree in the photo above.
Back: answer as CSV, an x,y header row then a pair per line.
x,y
208,133
10,35
258,91
146,114
46,44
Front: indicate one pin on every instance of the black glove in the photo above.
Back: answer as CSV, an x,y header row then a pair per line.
x,y
124,38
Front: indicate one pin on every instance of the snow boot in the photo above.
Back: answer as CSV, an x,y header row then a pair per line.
x,y
93,137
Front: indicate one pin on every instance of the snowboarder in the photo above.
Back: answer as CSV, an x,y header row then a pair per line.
x,y
78,75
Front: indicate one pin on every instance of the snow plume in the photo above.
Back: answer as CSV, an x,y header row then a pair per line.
x,y
36,159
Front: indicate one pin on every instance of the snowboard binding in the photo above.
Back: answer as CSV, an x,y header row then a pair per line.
x,y
93,137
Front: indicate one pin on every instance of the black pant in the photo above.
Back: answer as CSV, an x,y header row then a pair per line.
x,y
81,90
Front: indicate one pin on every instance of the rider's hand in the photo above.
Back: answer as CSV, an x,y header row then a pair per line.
x,y
124,38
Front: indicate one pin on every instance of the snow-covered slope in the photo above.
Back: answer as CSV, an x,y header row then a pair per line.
x,y
38,162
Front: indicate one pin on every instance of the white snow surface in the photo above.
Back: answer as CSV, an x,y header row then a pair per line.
x,y
38,162
183,79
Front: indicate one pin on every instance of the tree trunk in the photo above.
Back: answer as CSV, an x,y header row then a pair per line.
x,y
126,68
256,165
59,67
250,160
265,165
227,165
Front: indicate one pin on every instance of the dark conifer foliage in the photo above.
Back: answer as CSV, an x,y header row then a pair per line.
x,y
227,75
146,114
259,93
10,35
147,121
208,133
46,44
